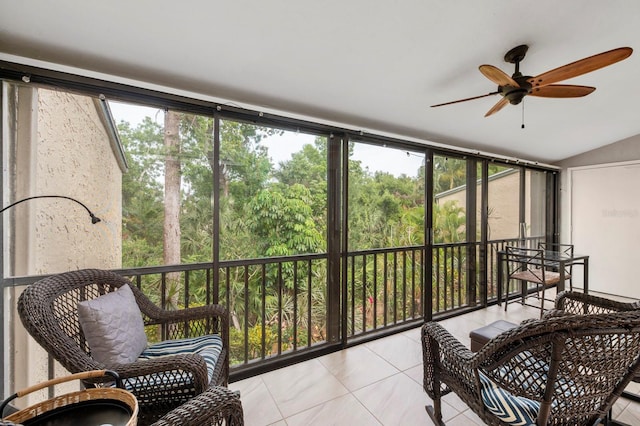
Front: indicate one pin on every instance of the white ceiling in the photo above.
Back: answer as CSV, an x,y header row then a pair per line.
x,y
372,65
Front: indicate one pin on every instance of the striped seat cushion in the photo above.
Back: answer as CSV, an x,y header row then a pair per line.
x,y
511,409
209,347
532,374
527,370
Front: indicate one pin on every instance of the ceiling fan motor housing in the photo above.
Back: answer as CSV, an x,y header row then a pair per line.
x,y
516,94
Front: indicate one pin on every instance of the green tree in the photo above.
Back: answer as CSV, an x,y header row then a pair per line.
x,y
308,167
281,218
245,169
449,223
142,194
448,173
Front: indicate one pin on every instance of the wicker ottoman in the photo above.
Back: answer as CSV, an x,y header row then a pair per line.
x,y
480,336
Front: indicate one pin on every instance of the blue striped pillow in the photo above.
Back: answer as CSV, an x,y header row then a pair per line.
x,y
529,371
511,409
209,347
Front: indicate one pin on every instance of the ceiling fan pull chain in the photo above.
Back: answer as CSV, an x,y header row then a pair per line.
x,y
523,114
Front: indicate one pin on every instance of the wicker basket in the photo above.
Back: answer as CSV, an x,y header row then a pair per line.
x,y
106,405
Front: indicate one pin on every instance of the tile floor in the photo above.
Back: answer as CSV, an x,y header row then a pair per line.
x,y
375,383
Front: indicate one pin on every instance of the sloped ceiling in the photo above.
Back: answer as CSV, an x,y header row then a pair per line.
x,y
370,65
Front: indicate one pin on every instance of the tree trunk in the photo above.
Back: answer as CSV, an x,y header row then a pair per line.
x,y
172,175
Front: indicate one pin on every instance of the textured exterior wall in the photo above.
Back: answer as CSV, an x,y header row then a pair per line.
x,y
503,205
74,158
69,153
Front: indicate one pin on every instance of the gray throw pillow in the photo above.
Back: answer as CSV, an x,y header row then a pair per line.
x,y
113,327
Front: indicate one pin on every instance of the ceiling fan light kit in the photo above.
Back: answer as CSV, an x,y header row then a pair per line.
x,y
514,88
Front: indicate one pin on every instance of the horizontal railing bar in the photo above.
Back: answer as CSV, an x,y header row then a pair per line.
x,y
267,260
385,295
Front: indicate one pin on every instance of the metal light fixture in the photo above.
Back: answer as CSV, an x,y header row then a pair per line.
x,y
94,218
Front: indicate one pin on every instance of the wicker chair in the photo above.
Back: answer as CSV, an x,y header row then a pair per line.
x,y
49,311
569,302
560,370
216,406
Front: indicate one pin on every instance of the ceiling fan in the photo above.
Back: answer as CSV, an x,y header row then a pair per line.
x,y
513,89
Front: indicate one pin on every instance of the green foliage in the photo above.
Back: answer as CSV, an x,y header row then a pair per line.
x,y
142,196
308,168
384,210
448,173
253,343
139,252
282,219
244,163
449,223
269,210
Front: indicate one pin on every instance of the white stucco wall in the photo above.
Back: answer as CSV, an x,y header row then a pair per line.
x,y
67,152
74,158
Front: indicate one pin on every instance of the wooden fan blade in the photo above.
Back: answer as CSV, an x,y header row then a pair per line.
x,y
464,100
561,91
580,67
498,76
497,107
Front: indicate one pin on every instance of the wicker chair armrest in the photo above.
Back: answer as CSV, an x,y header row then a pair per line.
x,y
548,314
217,405
448,342
165,316
441,351
195,313
580,303
193,364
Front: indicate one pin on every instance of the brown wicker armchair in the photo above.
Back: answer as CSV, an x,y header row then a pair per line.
x,y
216,406
49,311
569,302
561,370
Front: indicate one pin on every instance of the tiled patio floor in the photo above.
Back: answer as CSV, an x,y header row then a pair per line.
x,y
376,383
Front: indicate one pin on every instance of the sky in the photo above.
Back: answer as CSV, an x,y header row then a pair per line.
x,y
375,158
